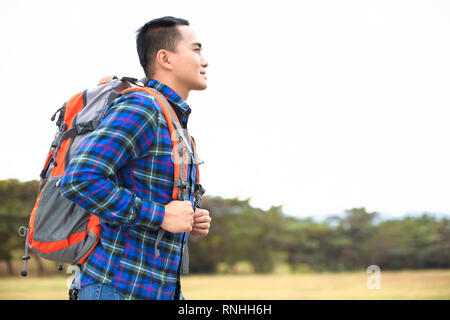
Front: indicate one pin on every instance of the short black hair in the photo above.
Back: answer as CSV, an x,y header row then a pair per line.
x,y
157,34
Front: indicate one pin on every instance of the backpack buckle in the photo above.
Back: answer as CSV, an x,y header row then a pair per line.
x,y
84,127
181,183
200,188
199,195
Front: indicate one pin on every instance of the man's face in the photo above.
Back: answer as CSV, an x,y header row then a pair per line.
x,y
189,63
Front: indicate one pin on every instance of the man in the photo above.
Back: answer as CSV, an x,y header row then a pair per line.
x,y
123,173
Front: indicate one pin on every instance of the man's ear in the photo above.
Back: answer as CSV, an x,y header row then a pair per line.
x,y
164,59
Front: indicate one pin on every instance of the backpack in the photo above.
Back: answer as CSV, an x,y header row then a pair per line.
x,y
60,230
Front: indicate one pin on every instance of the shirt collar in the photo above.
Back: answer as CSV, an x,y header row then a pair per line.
x,y
171,96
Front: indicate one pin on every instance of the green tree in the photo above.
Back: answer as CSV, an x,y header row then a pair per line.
x,y
16,202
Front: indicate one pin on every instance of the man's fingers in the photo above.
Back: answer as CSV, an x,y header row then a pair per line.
x,y
201,212
198,219
197,232
204,225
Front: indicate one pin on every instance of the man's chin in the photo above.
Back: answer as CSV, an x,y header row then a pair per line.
x,y
201,86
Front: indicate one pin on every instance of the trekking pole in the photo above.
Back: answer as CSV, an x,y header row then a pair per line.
x,y
23,232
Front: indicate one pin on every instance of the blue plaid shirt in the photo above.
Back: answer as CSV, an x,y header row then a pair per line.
x,y
123,173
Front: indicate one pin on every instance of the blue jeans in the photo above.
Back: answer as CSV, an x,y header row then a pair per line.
x,y
103,292
99,292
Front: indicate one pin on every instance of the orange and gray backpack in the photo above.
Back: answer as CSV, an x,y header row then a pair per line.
x,y
60,230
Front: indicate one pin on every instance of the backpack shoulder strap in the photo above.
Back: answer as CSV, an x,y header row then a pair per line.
x,y
179,141
180,156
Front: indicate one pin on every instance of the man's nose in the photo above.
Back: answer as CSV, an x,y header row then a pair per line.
x,y
204,63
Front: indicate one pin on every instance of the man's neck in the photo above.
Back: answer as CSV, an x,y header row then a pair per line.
x,y
183,93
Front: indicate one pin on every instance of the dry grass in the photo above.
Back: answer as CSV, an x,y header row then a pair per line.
x,y
394,285
430,284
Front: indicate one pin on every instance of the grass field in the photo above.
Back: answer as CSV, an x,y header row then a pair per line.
x,y
430,284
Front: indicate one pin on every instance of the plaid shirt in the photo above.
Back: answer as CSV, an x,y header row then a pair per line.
x,y
123,173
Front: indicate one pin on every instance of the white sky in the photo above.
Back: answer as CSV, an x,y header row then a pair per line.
x,y
319,106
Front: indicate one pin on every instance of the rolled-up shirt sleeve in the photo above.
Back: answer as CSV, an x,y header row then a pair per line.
x,y
126,132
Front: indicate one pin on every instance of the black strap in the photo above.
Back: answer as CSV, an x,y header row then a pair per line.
x,y
79,129
198,198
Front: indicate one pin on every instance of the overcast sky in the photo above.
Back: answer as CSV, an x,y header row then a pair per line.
x,y
319,106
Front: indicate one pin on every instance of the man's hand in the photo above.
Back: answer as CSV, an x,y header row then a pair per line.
x,y
178,216
202,222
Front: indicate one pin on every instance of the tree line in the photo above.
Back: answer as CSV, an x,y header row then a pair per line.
x,y
265,238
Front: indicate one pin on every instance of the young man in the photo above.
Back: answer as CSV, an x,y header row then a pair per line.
x,y
123,173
